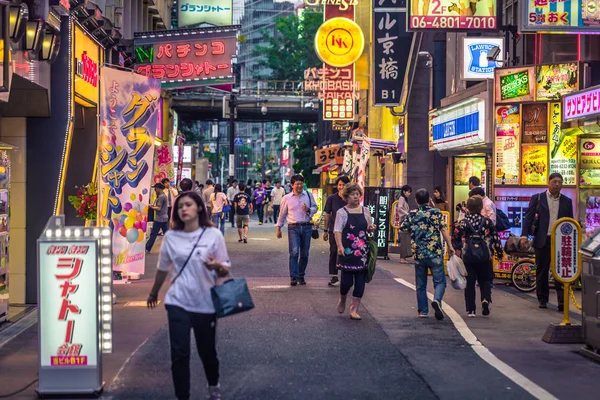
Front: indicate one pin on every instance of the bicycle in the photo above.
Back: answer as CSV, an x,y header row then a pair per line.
x,y
523,272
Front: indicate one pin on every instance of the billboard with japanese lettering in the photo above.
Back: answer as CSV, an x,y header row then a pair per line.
x,y
378,201
68,304
391,49
452,15
187,58
196,12
565,16
129,117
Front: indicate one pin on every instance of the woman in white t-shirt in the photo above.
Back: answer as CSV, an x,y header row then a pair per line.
x,y
217,201
197,252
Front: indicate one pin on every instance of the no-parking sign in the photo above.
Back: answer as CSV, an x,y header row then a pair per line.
x,y
566,260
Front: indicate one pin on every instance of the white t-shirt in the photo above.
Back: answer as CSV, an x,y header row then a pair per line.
x,y
191,291
277,195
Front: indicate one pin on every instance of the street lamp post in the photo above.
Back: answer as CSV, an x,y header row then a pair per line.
x,y
262,150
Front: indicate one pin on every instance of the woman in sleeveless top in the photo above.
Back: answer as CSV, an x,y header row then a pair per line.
x,y
352,223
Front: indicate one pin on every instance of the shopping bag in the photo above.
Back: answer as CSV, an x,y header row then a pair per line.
x,y
460,283
457,272
232,297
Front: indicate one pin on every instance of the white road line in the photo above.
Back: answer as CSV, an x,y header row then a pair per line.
x,y
117,379
536,391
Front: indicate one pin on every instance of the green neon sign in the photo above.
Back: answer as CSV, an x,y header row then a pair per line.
x,y
514,85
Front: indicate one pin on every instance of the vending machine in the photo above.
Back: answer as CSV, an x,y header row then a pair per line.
x,y
4,233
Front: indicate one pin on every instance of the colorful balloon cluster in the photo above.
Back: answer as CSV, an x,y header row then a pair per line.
x,y
132,222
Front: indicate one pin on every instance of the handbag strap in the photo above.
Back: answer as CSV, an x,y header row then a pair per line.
x,y
189,256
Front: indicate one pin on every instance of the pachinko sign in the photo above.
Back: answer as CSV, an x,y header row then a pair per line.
x,y
129,121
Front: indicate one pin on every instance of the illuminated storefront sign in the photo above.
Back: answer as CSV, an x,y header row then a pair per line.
x,y
215,12
556,80
515,84
187,153
534,164
506,168
339,42
582,104
337,88
459,125
476,65
563,148
391,49
86,61
200,57
560,16
589,173
329,154
535,123
377,201
341,4
450,15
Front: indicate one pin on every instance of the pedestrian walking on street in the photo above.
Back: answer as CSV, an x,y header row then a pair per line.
x,y
425,225
198,188
402,210
186,185
210,188
297,209
439,200
231,192
489,208
276,196
242,205
217,201
161,220
544,210
171,194
333,204
352,223
260,197
480,241
196,252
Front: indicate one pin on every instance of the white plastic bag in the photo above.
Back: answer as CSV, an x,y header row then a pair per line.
x,y
457,272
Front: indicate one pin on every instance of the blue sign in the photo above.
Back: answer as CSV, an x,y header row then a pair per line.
x,y
459,125
455,128
477,66
238,141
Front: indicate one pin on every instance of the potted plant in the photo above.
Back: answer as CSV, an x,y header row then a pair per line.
x,y
86,203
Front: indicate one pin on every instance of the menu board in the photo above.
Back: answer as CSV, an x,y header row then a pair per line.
x,y
556,80
535,123
563,148
534,164
507,155
589,151
466,167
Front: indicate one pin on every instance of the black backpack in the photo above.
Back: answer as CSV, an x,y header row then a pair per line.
x,y
502,222
476,248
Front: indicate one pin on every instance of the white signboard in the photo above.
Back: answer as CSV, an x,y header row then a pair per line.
x,y
476,50
68,304
566,260
187,154
459,125
213,12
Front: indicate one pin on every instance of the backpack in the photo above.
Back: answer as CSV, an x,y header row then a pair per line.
x,y
476,249
502,222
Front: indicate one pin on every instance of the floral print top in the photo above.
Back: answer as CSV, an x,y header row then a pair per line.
x,y
462,229
425,225
354,240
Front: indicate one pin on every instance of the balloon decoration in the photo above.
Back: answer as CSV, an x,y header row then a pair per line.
x,y
132,222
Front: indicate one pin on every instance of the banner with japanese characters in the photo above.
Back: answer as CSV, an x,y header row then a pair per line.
x,y
163,163
566,260
391,48
129,119
69,311
378,201
563,148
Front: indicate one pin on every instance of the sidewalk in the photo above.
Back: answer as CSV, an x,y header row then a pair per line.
x,y
513,332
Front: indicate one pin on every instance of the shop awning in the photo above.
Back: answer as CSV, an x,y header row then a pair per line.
x,y
379,144
6,146
325,167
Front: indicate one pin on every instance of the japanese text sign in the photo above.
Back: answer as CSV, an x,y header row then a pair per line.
x,y
534,164
329,154
507,149
563,148
589,173
129,118
68,315
535,123
581,104
200,57
514,84
566,260
560,16
378,202
391,48
449,15
555,80
336,87
86,61
194,12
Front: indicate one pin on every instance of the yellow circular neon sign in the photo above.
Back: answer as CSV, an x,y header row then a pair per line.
x,y
339,42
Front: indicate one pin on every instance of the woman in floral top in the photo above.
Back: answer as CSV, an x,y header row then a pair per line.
x,y
351,226
480,272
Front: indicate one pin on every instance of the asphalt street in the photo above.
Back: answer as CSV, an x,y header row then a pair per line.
x,y
294,344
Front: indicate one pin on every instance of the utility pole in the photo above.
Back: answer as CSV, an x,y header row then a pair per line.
x,y
232,106
262,151
218,160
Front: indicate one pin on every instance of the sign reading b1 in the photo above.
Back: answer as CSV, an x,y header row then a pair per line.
x,y
476,65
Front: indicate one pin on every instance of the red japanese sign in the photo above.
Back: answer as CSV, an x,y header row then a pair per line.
x,y
566,260
197,57
68,307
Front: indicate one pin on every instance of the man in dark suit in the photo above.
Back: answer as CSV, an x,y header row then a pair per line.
x,y
549,206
